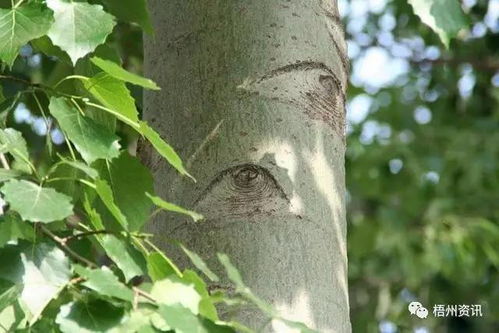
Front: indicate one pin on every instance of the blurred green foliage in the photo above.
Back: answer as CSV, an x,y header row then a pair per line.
x,y
422,169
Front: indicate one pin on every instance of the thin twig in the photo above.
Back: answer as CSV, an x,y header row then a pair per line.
x,y
76,280
38,86
86,234
144,294
62,245
16,79
4,161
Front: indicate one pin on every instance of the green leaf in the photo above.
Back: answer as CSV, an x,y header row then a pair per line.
x,y
297,326
45,46
106,194
127,258
139,320
6,174
130,180
232,272
160,266
173,291
206,307
12,317
13,228
89,317
42,269
114,95
180,319
199,263
234,275
122,74
9,293
20,25
2,97
92,140
445,17
46,273
13,142
174,208
79,27
103,281
92,213
131,11
163,148
35,203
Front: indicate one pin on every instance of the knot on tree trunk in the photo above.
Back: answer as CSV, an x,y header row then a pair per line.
x,y
243,190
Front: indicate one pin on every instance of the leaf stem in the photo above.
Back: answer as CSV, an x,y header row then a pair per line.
x,y
47,123
68,143
71,77
17,4
127,121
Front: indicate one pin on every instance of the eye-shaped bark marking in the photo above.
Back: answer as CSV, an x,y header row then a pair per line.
x,y
309,86
244,190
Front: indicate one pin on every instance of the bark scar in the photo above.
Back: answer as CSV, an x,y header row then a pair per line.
x,y
243,190
310,86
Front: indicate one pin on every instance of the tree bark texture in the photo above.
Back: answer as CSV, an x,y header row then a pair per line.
x,y
252,99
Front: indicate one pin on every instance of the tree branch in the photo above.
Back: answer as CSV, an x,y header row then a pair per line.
x,y
62,245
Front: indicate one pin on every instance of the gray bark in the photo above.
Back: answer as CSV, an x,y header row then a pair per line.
x,y
253,100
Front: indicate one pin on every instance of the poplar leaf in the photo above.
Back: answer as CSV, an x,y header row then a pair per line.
x,y
92,140
174,208
36,203
122,74
12,142
130,261
131,11
94,316
12,228
41,269
104,282
106,195
199,263
445,17
173,291
6,174
160,266
131,180
114,95
79,27
20,25
163,148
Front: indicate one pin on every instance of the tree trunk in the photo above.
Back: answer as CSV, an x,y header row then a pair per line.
x,y
253,100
